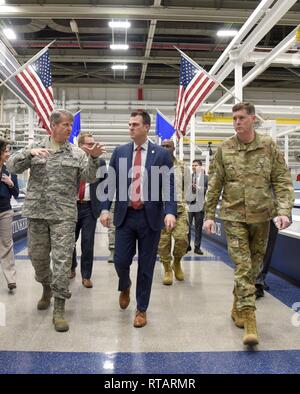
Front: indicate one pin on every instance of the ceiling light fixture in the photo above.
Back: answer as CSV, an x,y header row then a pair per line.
x,y
119,24
9,33
119,67
2,2
122,47
227,33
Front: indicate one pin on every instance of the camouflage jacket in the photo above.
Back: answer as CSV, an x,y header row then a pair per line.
x,y
248,173
180,171
53,181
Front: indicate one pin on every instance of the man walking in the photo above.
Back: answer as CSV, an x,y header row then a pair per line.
x,y
140,175
196,194
89,208
180,232
56,167
248,167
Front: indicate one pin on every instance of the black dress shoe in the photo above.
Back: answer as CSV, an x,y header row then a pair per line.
x,y
188,249
12,286
259,292
198,251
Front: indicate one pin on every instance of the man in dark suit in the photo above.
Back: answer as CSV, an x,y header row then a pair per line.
x,y
89,208
195,199
141,176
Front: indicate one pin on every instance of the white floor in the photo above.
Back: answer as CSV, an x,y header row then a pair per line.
x,y
189,316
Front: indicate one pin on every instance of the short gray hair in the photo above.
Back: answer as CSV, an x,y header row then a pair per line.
x,y
56,115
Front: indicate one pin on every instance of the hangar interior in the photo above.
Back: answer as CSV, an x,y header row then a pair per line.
x,y
260,63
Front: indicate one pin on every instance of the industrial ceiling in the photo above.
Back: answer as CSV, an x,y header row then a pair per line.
x,y
81,53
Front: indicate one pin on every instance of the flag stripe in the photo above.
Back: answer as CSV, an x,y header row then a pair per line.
x,y
199,101
30,85
191,98
198,96
36,81
194,87
40,89
40,111
38,105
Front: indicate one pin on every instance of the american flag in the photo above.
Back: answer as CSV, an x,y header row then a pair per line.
x,y
36,80
194,85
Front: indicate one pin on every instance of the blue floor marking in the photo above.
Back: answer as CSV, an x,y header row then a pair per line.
x,y
231,362
237,362
280,288
20,245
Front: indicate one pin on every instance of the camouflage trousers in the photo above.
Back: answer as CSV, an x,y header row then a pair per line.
x,y
58,238
247,245
112,230
180,236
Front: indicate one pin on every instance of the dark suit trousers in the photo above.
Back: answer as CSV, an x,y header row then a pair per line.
x,y
136,229
268,256
199,217
86,223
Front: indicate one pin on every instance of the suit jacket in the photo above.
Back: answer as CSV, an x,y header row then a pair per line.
x,y
95,201
200,193
120,171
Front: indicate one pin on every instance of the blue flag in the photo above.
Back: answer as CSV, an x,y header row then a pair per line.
x,y
75,128
164,129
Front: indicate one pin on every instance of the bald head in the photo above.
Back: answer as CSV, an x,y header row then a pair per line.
x,y
169,145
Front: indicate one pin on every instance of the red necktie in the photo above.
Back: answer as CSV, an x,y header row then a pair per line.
x,y
136,202
81,190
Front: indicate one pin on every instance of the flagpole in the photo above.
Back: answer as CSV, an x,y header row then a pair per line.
x,y
163,116
31,60
212,77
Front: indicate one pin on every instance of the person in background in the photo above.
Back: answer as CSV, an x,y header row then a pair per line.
x,y
111,232
8,188
89,208
56,167
251,170
195,199
180,232
260,283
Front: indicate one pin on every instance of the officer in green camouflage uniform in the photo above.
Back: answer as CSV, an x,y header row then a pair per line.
x,y
247,166
56,166
180,231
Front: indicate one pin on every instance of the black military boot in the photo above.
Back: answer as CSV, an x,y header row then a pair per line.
x,y
259,291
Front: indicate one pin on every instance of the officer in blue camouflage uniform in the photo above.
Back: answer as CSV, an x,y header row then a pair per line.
x,y
247,167
180,232
56,166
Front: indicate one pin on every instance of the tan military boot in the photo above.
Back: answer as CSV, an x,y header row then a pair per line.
x,y
250,333
168,275
237,315
179,275
45,301
60,323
